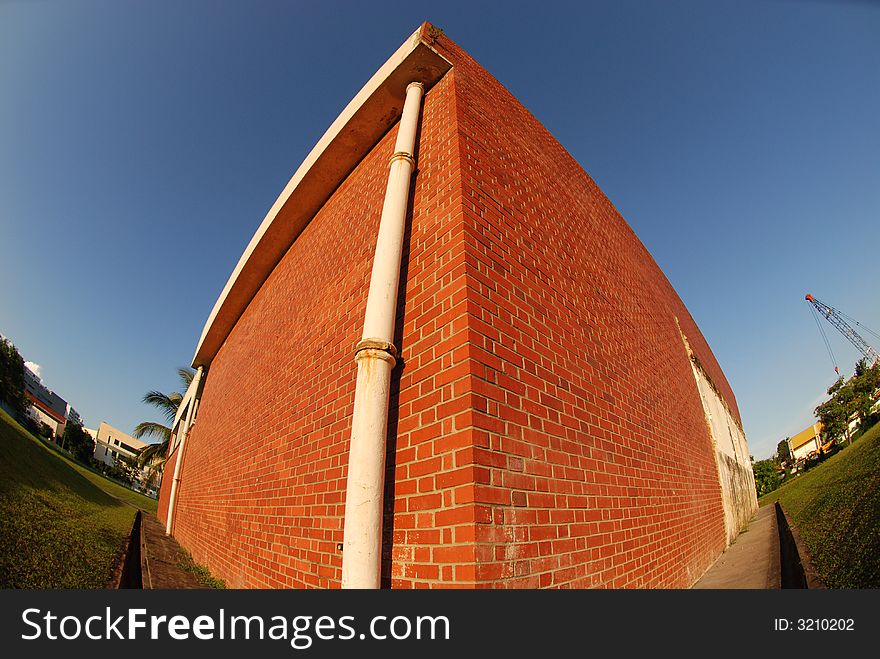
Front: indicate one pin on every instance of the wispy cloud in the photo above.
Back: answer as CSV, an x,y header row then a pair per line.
x,y
35,369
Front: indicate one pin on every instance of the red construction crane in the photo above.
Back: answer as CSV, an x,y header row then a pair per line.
x,y
838,319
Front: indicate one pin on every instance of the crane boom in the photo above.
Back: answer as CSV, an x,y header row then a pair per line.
x,y
836,319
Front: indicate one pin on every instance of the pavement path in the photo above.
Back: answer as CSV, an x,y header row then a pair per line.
x,y
164,558
752,561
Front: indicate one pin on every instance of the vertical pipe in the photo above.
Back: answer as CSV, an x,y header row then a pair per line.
x,y
375,356
172,499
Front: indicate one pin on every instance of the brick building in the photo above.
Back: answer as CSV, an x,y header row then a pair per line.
x,y
556,418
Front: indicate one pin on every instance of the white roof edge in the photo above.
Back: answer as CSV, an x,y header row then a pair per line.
x,y
366,118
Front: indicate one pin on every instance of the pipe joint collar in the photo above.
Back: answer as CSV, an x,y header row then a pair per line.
x,y
376,348
402,155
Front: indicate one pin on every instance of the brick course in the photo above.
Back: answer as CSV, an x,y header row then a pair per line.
x,y
545,427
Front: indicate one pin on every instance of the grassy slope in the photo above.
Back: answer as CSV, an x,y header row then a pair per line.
x,y
836,508
110,487
61,526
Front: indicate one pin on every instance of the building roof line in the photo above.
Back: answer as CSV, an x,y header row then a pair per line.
x,y
46,409
805,435
363,122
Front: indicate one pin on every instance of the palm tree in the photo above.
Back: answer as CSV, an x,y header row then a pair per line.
x,y
153,456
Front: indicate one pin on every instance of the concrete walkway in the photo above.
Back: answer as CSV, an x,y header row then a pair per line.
x,y
752,561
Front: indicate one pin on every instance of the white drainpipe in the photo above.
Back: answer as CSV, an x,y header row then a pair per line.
x,y
375,356
184,431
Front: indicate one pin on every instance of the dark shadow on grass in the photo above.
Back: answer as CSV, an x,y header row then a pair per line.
x,y
26,464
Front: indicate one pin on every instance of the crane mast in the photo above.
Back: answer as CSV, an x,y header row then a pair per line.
x,y
837,320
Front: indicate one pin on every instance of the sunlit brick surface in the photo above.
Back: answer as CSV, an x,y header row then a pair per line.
x,y
546,429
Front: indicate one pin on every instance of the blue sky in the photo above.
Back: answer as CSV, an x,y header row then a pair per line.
x,y
142,143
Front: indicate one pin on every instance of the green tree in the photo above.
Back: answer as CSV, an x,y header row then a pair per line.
x,y
783,452
78,442
153,456
835,413
864,384
127,468
766,476
12,377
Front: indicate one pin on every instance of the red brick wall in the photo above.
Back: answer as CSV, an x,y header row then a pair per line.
x,y
593,461
545,428
262,492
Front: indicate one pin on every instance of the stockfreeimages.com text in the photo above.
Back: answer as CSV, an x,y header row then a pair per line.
x,y
301,631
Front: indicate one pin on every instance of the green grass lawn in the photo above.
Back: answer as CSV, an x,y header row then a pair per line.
x,y
109,486
61,525
836,508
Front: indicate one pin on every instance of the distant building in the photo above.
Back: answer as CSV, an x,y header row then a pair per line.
x,y
112,444
806,441
73,416
46,406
